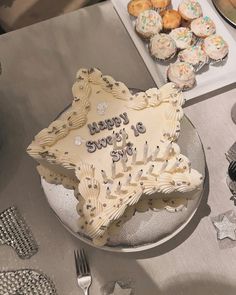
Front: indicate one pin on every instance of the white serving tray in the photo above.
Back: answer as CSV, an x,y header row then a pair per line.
x,y
208,79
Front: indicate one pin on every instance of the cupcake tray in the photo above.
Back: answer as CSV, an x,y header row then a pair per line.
x,y
144,230
210,77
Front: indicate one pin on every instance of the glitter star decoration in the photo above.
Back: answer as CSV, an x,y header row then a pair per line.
x,y
225,229
120,291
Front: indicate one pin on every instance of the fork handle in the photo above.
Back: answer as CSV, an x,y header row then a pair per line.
x,y
86,292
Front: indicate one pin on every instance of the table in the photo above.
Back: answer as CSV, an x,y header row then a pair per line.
x,y
39,65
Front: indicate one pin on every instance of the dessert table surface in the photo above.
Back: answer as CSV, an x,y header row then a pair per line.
x,y
39,65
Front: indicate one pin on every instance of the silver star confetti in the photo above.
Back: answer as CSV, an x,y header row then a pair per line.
x,y
225,229
120,291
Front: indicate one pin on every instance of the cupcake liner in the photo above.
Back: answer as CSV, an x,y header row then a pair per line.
x,y
197,41
159,60
184,89
159,10
219,61
185,23
199,66
143,37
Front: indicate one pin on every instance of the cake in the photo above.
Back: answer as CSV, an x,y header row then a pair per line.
x,y
160,5
148,23
190,10
135,7
216,47
195,56
162,47
182,74
171,19
114,149
183,37
203,27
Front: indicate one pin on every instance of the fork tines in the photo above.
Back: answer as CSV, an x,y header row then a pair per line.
x,y
81,263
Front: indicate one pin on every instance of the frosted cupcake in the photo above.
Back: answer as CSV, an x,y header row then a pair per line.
x,y
195,56
171,19
183,37
216,47
148,23
182,74
162,47
190,9
160,5
203,27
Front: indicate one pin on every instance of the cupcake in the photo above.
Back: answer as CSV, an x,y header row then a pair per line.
x,y
203,27
182,74
160,5
135,7
171,19
190,9
195,56
183,37
148,23
162,47
216,47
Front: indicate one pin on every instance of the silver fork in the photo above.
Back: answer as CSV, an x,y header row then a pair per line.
x,y
84,278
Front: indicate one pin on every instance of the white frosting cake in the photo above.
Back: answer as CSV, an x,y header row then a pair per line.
x,y
113,149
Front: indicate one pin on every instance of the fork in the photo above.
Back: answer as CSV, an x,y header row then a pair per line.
x,y
84,278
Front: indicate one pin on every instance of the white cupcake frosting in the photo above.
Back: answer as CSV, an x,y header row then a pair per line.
x,y
182,74
193,55
190,9
182,36
203,26
162,46
148,23
216,47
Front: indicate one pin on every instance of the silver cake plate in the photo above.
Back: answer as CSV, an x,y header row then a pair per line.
x,y
144,230
227,8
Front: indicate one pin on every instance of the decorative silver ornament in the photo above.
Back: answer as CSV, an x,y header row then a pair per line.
x,y
26,282
225,229
15,232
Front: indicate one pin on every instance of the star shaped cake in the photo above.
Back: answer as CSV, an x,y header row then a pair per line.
x,y
127,150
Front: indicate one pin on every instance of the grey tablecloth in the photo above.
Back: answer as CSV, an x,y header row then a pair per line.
x,y
39,64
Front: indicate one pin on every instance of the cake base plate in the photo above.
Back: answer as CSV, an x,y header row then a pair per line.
x,y
144,230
